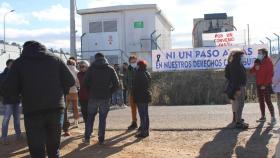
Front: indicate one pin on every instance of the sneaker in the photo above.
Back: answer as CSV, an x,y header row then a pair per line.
x,y
262,119
273,121
86,141
133,126
243,126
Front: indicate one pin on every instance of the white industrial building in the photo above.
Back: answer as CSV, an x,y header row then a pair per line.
x,y
12,52
121,31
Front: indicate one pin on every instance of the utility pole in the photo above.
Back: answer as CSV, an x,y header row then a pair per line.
x,y
72,29
244,32
5,28
278,40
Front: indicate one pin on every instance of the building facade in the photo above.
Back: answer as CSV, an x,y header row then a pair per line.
x,y
121,31
211,23
12,52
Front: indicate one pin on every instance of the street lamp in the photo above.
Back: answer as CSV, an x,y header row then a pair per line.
x,y
269,40
5,28
82,42
261,41
278,39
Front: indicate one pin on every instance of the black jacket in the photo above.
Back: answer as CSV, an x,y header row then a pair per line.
x,y
101,80
141,87
8,99
40,78
236,75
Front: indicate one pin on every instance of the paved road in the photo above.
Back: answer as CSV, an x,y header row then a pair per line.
x,y
184,117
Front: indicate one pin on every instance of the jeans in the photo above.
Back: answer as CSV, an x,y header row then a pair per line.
x,y
94,106
117,97
43,132
239,104
9,111
144,116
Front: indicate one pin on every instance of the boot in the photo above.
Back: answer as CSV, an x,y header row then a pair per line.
x,y
132,126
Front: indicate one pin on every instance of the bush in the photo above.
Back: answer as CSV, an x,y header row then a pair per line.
x,y
193,88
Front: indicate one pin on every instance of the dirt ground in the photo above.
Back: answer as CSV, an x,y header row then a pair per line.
x,y
258,142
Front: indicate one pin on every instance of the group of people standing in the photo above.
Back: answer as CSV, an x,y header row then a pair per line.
x,y
46,86
267,82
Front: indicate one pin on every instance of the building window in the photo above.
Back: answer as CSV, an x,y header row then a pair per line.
x,y
95,27
110,26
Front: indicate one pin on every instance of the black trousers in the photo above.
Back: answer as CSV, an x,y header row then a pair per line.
x,y
84,109
43,132
125,96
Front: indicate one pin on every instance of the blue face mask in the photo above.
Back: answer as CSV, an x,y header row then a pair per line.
x,y
260,56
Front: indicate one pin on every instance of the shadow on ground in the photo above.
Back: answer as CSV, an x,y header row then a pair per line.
x,y
226,140
98,151
14,148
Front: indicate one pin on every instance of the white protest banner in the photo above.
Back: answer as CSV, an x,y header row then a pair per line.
x,y
200,58
223,39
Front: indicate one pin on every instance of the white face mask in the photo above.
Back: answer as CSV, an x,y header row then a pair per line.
x,y
134,65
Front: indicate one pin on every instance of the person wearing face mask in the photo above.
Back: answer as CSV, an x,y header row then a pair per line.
x,y
237,78
129,82
83,94
264,73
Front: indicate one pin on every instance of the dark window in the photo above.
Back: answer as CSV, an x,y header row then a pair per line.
x,y
95,27
110,26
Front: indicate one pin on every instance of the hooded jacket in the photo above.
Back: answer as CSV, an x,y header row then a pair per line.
x,y
101,80
40,78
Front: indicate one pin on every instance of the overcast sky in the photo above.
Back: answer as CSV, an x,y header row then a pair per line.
x,y
48,21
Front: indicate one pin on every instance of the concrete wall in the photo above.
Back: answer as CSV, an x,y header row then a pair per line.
x,y
162,28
